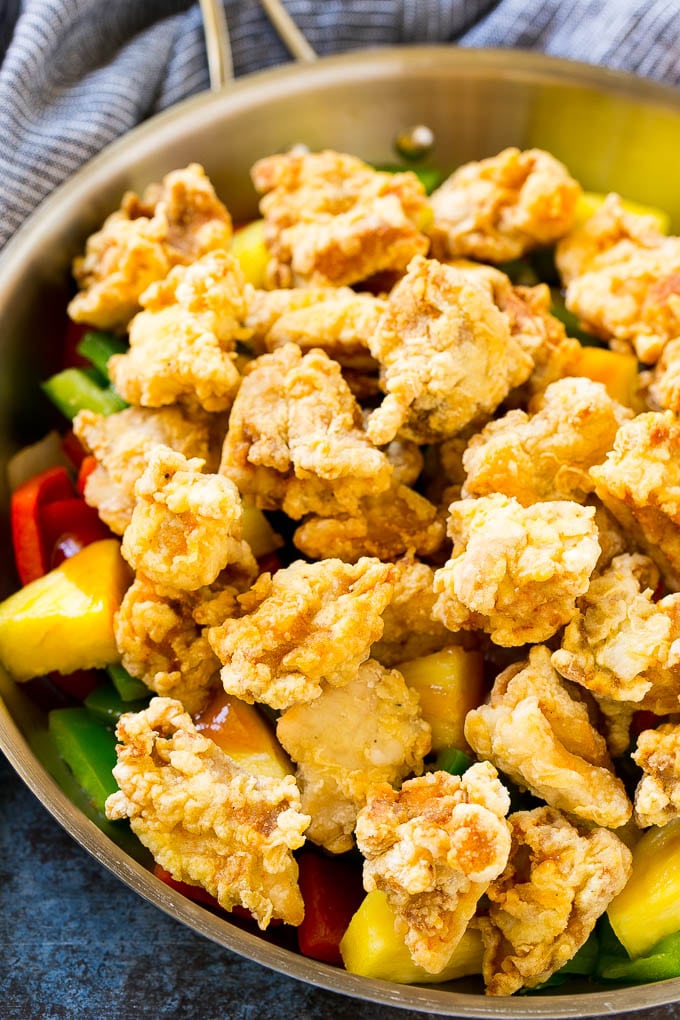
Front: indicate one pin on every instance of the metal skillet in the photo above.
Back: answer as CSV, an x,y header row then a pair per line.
x,y
613,130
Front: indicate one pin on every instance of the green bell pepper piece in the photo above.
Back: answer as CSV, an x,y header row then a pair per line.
x,y
570,321
98,347
106,706
74,390
129,687
661,962
450,759
88,748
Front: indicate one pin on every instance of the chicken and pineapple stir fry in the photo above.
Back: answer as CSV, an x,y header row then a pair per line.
x,y
462,483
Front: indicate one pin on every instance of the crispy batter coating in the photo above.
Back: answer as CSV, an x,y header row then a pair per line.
x,y
611,536
307,625
121,443
186,525
206,820
331,219
657,797
515,572
335,319
546,455
369,731
537,731
499,208
663,391
388,525
446,354
174,223
433,848
639,483
295,440
182,344
410,630
161,643
621,644
560,878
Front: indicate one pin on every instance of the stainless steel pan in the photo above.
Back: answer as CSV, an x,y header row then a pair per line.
x,y
614,132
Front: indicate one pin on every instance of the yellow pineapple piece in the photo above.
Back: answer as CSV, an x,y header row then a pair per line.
x,y
617,371
245,735
64,620
258,532
590,201
450,683
370,947
247,245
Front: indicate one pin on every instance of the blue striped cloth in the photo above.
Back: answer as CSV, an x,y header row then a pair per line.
x,y
76,74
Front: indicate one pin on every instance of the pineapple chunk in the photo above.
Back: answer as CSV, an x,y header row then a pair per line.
x,y
648,908
370,947
449,683
64,621
244,735
247,245
258,532
617,371
590,201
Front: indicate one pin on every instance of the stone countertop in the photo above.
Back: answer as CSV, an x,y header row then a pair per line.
x,y
76,942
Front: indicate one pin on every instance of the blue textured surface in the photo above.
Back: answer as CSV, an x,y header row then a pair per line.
x,y
75,942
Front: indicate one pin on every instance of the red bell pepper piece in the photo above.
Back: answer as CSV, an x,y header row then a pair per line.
x,y
269,564
79,684
201,895
73,448
30,553
67,526
332,891
644,720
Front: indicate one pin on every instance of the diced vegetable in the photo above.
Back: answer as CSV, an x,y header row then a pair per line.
x,y
616,370
521,272
661,962
79,684
33,460
247,245
98,347
371,948
106,706
590,201
192,892
451,760
89,750
450,683
73,390
331,889
31,554
68,525
429,176
648,908
258,532
129,688
245,735
64,620
570,321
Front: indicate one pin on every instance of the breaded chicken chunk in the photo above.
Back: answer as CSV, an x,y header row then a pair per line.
x,y
499,208
295,440
446,354
369,731
182,344
611,536
639,483
308,625
663,390
186,525
410,631
560,878
174,223
206,820
537,730
622,644
546,455
657,797
335,319
332,220
121,443
515,572
387,526
433,848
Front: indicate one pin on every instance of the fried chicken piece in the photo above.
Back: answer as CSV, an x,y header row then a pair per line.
x,y
639,483
161,643
206,820
186,525
537,730
446,355
612,538
515,572
406,459
409,628
174,223
499,208
657,797
559,880
331,219
433,848
295,439
615,722
121,443
387,526
335,319
546,455
307,625
622,644
369,731
663,391
182,344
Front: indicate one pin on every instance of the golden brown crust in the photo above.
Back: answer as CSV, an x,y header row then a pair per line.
x,y
657,797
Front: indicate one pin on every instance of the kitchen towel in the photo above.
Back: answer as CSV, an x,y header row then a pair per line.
x,y
76,74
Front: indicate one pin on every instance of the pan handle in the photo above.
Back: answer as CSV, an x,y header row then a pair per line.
x,y
218,46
